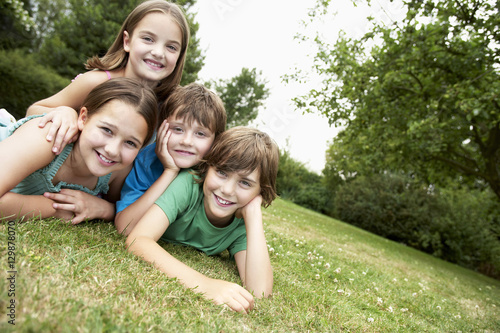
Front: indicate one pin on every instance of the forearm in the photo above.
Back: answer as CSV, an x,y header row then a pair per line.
x,y
258,271
14,205
126,220
149,250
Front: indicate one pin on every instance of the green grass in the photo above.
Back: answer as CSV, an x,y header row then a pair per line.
x,y
329,277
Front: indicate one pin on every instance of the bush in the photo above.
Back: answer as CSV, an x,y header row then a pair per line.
x,y
301,186
23,81
460,226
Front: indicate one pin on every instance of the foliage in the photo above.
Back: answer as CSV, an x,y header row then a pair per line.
x,y
242,95
423,98
301,186
328,277
20,90
16,25
460,226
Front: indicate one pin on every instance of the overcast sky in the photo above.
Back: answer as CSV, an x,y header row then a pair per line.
x,y
260,34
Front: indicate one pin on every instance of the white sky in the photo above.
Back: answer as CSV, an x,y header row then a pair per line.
x,y
260,34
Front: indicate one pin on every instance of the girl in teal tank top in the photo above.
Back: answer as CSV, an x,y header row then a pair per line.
x,y
82,182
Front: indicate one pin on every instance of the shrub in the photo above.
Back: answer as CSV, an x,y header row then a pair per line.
x,y
460,226
23,81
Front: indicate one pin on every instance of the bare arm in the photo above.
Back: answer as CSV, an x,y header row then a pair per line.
x,y
18,164
62,108
142,241
254,264
127,219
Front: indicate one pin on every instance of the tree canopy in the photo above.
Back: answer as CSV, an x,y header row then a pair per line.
x,y
419,96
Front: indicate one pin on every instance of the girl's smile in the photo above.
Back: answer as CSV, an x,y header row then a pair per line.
x,y
110,139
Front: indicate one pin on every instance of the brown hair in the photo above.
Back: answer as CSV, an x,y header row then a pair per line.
x,y
116,57
129,91
195,102
244,149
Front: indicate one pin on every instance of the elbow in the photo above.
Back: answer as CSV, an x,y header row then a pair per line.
x,y
121,226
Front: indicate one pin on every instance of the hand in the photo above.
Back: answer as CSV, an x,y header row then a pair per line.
x,y
161,147
228,293
64,127
82,206
250,208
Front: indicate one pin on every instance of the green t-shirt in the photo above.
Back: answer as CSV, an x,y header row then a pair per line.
x,y
182,202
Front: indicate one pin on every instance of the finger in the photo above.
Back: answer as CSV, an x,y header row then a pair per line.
x,y
44,120
66,207
60,197
245,294
58,143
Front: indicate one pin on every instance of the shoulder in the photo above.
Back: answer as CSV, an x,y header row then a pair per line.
x,y
91,78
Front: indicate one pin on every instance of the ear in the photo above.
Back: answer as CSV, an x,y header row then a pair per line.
x,y
126,41
82,118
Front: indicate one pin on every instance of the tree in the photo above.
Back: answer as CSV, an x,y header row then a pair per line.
x,y
242,96
423,99
16,25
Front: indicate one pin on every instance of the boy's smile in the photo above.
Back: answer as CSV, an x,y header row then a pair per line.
x,y
226,192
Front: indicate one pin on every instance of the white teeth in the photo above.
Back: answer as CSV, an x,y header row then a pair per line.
x,y
105,159
154,64
222,201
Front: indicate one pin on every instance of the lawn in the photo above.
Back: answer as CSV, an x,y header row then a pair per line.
x,y
329,277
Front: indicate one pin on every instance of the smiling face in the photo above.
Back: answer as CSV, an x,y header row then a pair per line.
x,y
111,138
225,192
153,47
188,142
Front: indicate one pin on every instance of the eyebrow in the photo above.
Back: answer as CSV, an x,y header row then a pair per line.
x,y
112,126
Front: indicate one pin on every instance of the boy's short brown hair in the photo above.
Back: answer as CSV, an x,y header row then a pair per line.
x,y
195,102
244,149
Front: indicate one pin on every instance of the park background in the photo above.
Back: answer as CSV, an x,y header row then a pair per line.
x,y
406,99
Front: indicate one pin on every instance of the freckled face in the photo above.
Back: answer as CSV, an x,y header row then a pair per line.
x,y
111,138
226,192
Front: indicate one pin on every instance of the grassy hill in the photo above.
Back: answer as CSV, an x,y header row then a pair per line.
x,y
329,277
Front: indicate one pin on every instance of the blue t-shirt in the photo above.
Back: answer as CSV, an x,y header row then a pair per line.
x,y
147,169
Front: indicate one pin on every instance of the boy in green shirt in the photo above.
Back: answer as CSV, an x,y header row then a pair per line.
x,y
215,209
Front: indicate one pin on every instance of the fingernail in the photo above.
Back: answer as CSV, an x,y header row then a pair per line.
x,y
54,150
49,138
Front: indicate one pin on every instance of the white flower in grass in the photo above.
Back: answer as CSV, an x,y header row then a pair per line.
x,y
370,320
390,309
394,280
340,292
317,276
351,280
379,301
327,265
406,280
364,273
337,270
340,249
404,309
271,249
336,281
414,294
438,307
458,316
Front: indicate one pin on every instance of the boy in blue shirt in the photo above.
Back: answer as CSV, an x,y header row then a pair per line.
x,y
193,117
214,209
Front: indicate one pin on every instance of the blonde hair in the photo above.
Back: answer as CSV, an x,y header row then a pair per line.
x,y
195,102
116,57
244,149
130,91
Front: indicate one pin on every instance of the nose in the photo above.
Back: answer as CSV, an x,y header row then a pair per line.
x,y
228,187
157,51
112,148
187,139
